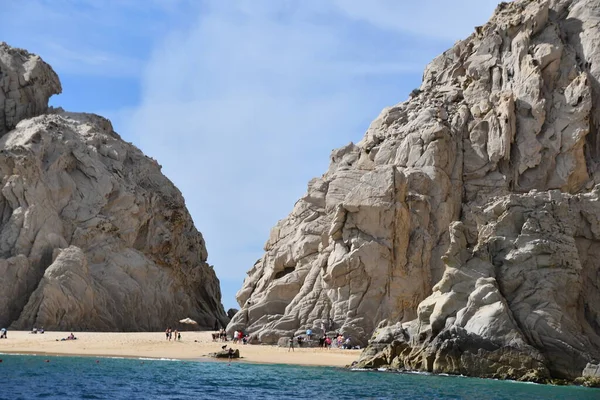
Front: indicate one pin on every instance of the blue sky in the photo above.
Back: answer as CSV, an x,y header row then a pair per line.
x,y
240,101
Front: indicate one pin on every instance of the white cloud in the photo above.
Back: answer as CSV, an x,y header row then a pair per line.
x,y
448,20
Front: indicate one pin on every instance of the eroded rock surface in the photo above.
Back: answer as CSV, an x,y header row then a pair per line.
x,y
26,84
463,228
92,235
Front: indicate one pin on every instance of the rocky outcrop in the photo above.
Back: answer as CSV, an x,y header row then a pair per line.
x,y
592,371
225,354
92,235
462,228
26,84
528,287
590,376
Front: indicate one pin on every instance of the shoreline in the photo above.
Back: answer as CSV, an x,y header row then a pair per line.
x,y
194,346
269,359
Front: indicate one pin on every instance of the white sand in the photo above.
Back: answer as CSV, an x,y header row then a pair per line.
x,y
154,345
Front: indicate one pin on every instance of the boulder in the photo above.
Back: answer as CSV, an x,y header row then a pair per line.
x,y
225,354
591,371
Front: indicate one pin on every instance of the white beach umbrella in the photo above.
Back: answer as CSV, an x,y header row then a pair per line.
x,y
188,321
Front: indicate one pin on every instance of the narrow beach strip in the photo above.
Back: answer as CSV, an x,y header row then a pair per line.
x,y
193,346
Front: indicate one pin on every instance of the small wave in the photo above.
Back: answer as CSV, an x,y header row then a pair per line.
x,y
523,382
418,373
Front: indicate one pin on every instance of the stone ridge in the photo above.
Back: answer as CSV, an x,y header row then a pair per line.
x,y
460,230
92,235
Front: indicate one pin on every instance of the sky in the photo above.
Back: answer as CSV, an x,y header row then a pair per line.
x,y
240,101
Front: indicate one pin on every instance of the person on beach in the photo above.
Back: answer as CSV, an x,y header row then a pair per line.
x,y
3,332
230,352
347,344
291,344
70,337
167,334
175,333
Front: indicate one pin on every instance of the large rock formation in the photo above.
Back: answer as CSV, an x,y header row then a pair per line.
x,y
92,235
463,230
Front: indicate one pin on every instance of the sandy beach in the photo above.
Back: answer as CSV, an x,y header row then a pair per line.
x,y
193,346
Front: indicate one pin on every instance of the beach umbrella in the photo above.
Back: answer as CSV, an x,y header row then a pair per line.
x,y
188,321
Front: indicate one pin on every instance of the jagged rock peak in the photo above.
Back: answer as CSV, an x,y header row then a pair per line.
x,y
92,235
26,84
461,228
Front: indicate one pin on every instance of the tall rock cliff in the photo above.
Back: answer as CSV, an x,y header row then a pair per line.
x,y
92,235
463,230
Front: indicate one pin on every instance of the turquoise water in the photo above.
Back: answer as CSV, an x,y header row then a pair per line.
x,y
28,377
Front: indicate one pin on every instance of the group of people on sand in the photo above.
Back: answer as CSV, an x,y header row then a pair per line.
x,y
325,341
221,335
172,334
338,340
35,331
240,337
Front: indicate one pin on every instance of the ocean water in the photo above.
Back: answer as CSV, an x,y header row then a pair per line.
x,y
31,377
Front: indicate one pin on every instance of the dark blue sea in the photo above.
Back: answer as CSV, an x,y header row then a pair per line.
x,y
31,377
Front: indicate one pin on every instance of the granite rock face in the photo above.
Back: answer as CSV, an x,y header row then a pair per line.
x,y
461,231
92,235
527,288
